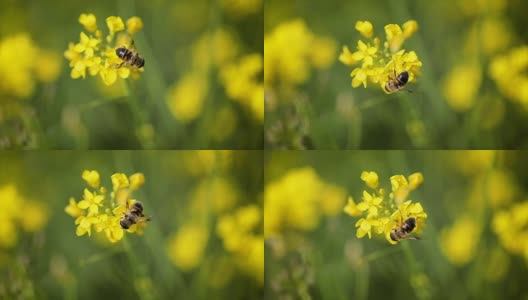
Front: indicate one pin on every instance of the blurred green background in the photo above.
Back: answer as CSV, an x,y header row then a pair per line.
x,y
474,243
42,258
471,94
41,106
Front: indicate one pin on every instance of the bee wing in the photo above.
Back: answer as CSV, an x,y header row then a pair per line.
x,y
143,219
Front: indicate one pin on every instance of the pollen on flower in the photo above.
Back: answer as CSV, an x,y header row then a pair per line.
x,y
96,55
380,214
103,213
380,62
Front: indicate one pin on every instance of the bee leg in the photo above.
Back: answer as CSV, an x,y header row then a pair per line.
x,y
117,67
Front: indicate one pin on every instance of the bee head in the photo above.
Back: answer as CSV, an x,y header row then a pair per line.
x,y
120,52
403,77
137,205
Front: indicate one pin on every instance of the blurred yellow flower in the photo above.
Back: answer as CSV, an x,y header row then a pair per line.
x,y
217,193
511,227
17,211
378,64
293,66
137,180
241,81
49,66
19,79
238,232
91,177
461,95
459,242
186,98
225,46
134,25
187,246
97,57
323,52
34,217
509,73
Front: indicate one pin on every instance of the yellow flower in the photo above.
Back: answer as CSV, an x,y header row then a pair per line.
x,y
34,217
371,179
49,66
187,246
459,243
186,98
91,201
91,177
378,64
72,209
18,54
119,181
85,225
134,25
241,80
365,28
351,208
365,226
376,212
98,55
415,180
115,24
293,67
462,96
347,57
88,21
509,73
137,180
107,219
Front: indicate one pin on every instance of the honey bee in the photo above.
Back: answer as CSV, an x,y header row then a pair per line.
x,y
397,83
130,57
404,230
133,215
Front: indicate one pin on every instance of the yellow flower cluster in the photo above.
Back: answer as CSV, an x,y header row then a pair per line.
x,y
242,85
238,232
94,211
298,200
96,55
378,64
239,75
16,211
291,50
511,226
22,63
509,73
381,216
